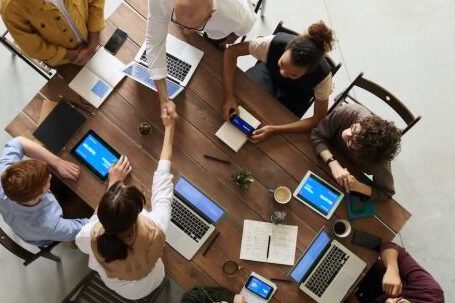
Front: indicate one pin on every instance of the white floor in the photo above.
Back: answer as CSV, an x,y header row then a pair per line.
x,y
406,46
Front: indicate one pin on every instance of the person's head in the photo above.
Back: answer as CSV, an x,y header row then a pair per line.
x,y
373,138
26,181
117,212
192,15
305,51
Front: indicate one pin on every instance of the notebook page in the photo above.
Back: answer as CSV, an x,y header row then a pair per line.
x,y
283,244
255,239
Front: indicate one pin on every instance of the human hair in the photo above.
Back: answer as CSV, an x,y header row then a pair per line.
x,y
117,212
309,48
377,140
25,180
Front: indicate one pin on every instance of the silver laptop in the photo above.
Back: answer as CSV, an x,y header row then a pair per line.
x,y
327,270
193,218
182,59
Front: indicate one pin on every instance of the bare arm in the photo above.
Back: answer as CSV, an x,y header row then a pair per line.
x,y
229,67
64,168
169,128
391,282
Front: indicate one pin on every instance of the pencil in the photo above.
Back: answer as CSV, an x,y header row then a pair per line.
x,y
280,279
217,159
210,244
268,248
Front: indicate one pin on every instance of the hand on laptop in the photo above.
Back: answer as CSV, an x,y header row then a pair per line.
x,y
230,107
119,171
391,282
84,55
67,170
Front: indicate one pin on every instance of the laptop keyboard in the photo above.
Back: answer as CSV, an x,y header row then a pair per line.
x,y
175,67
327,271
188,222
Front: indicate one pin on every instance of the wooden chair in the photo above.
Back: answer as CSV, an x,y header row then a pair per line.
x,y
43,69
405,114
91,289
25,254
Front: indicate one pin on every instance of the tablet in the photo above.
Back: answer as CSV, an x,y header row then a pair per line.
x,y
318,194
258,289
96,154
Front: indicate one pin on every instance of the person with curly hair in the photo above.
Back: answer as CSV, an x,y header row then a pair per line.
x,y
365,139
292,68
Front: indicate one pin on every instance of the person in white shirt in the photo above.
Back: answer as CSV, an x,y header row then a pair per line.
x,y
218,19
125,241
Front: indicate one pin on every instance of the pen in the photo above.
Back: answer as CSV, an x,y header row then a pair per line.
x,y
84,108
217,159
210,244
268,248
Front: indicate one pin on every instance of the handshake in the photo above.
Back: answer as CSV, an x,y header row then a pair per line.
x,y
168,114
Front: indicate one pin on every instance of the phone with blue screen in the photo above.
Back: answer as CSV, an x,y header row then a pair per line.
x,y
259,287
96,154
241,124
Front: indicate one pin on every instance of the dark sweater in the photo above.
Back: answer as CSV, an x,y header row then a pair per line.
x,y
210,295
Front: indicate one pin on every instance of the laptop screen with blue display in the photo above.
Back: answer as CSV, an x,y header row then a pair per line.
x,y
310,257
318,194
198,200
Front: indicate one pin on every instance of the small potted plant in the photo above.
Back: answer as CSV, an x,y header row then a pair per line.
x,y
243,178
144,128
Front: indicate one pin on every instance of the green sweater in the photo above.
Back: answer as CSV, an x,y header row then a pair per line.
x,y
215,294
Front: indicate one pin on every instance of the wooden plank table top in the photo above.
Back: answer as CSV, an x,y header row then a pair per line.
x,y
280,160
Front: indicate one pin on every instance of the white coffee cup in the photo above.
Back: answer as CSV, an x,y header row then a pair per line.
x,y
341,228
282,194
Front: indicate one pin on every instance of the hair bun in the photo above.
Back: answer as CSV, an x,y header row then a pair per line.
x,y
321,35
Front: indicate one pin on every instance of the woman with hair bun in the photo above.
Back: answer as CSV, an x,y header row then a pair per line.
x,y
125,241
291,68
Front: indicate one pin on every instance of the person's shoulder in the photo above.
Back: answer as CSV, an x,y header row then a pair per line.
x,y
11,7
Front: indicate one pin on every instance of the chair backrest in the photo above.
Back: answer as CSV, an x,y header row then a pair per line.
x,y
25,254
91,289
280,28
405,114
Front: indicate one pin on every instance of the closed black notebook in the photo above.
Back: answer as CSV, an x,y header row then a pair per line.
x,y
59,126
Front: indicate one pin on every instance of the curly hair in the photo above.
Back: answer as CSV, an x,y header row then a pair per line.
x,y
377,140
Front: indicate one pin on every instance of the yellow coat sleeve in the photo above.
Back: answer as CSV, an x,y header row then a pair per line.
x,y
95,15
32,44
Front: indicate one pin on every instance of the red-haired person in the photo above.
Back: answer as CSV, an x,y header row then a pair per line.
x,y
292,68
366,140
26,203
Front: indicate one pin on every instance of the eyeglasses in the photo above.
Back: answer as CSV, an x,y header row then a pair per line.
x,y
198,29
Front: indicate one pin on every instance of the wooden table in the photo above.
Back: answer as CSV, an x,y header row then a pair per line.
x,y
280,160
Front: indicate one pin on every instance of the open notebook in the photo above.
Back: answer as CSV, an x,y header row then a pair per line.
x,y
98,77
267,242
231,135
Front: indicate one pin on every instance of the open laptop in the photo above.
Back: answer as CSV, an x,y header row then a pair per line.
x,y
193,218
182,59
327,270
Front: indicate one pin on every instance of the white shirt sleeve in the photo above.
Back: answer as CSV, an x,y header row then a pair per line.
x,y
162,193
83,241
158,19
246,18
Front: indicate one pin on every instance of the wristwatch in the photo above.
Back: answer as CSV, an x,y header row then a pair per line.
x,y
331,159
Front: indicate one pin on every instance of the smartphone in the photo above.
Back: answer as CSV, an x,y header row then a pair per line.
x,y
241,124
366,240
116,41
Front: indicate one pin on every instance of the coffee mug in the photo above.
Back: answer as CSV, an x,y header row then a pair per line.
x,y
342,228
281,194
230,267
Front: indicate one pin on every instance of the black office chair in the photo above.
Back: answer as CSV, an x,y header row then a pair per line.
x,y
25,254
91,289
405,114
42,68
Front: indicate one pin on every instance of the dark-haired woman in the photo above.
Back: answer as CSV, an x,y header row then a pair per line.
x,y
292,68
125,241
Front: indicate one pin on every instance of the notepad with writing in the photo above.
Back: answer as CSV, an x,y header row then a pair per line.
x,y
231,135
256,244
98,77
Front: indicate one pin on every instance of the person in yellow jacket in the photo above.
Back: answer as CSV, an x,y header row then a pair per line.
x,y
55,31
